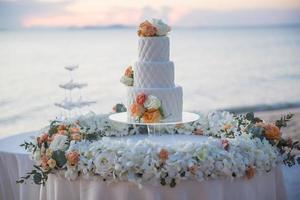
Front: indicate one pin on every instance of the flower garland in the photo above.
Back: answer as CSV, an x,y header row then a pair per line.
x,y
236,146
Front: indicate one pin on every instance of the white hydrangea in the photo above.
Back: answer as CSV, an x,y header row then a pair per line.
x,y
59,143
152,102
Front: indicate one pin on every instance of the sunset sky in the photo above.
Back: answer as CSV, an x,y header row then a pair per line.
x,y
187,13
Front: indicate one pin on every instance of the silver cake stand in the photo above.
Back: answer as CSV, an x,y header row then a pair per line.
x,y
187,117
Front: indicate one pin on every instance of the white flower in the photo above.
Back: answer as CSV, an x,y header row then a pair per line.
x,y
37,155
59,143
162,28
127,80
152,102
71,173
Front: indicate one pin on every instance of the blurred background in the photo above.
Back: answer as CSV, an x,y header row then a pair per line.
x,y
233,55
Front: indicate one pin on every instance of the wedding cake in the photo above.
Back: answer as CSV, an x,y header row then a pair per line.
x,y
152,95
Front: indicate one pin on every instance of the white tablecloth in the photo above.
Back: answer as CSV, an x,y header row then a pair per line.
x,y
15,162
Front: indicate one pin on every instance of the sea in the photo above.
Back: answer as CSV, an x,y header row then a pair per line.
x,y
237,69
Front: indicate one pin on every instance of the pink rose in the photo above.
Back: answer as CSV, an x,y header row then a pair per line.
x,y
141,98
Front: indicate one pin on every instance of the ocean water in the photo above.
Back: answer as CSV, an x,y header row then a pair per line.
x,y
236,68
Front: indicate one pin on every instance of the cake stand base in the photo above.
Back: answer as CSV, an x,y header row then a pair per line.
x,y
152,128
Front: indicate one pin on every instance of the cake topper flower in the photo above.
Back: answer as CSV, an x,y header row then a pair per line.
x,y
155,27
146,29
127,78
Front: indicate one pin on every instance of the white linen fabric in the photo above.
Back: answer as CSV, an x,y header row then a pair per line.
x,y
14,162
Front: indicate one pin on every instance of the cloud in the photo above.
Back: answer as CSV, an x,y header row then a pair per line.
x,y
65,13
13,13
253,17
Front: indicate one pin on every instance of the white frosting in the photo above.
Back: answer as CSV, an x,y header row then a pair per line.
x,y
154,49
171,100
154,74
162,28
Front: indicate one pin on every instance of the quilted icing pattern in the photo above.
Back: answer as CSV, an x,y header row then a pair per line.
x,y
154,74
154,49
171,99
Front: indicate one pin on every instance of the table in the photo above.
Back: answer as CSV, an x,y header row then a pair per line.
x,y
15,162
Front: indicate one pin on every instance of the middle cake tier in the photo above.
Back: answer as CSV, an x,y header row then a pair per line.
x,y
171,101
154,74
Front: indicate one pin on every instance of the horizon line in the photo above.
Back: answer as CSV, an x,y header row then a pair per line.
x,y
122,26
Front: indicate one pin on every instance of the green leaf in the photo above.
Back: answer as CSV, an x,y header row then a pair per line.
x,y
53,130
37,178
59,157
250,116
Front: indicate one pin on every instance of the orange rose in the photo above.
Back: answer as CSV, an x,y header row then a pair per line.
x,y
76,136
250,172
163,155
129,71
146,29
73,158
272,132
141,98
137,110
152,116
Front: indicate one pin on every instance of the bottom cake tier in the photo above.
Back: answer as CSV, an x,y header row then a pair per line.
x,y
170,99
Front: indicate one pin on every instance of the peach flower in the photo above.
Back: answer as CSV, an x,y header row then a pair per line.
x,y
129,71
73,158
42,138
272,132
44,163
198,131
180,125
225,144
76,136
250,172
152,116
163,155
146,29
193,170
75,130
62,132
51,163
141,98
137,110
62,127
227,127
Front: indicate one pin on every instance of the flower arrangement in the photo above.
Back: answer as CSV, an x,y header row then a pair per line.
x,y
237,146
155,27
127,78
147,109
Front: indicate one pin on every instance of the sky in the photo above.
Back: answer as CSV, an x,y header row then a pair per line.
x,y
184,13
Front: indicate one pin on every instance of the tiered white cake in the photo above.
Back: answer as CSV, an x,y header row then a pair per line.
x,y
154,75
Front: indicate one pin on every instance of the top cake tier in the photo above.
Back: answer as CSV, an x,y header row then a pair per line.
x,y
154,49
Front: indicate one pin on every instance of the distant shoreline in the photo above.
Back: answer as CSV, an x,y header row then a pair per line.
x,y
122,27
263,107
